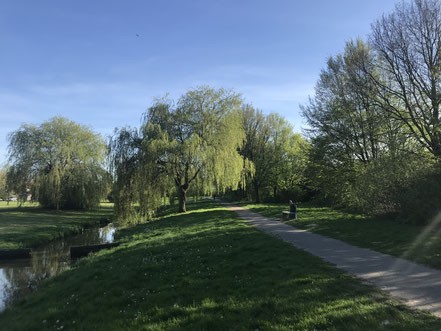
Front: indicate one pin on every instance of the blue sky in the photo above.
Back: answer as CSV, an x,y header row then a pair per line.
x,y
101,63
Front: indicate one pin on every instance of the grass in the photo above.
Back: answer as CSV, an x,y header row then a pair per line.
x,y
417,243
30,226
207,270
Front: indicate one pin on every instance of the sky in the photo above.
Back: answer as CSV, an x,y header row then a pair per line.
x,y
102,63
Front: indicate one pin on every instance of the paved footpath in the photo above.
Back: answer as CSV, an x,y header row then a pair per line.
x,y
416,285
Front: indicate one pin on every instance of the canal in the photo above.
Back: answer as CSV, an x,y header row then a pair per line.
x,y
20,277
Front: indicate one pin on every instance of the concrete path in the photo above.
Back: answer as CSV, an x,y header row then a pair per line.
x,y
416,285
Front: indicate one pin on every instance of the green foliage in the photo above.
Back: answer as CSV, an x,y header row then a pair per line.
x,y
374,119
207,270
420,198
277,155
59,162
4,193
361,156
380,186
204,134
407,44
191,144
330,171
138,182
344,107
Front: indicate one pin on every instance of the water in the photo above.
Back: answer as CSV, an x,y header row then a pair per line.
x,y
20,277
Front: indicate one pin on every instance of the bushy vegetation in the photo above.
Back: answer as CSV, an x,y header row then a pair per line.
x,y
59,164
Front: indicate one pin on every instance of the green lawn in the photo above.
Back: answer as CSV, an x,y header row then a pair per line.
x,y
421,244
30,226
207,270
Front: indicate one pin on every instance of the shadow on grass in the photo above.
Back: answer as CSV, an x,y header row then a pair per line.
x,y
378,233
207,270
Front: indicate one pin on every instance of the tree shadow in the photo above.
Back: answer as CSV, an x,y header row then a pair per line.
x,y
208,270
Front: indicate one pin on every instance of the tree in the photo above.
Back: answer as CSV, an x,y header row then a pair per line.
x,y
193,142
408,45
285,151
330,171
140,180
345,106
292,181
375,106
350,130
273,149
60,162
254,148
3,189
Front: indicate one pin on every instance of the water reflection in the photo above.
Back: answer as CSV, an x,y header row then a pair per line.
x,y
20,277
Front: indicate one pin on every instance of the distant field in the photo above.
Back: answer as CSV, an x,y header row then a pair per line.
x,y
208,270
30,226
417,243
15,204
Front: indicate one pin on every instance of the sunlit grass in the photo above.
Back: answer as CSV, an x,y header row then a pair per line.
x,y
208,270
16,204
30,226
417,243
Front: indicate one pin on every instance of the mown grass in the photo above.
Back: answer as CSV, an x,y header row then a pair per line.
x,y
417,243
30,226
15,204
208,270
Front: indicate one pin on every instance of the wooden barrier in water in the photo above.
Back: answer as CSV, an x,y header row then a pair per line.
x,y
17,253
81,251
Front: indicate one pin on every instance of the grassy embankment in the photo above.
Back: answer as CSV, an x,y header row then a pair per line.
x,y
417,243
30,226
207,270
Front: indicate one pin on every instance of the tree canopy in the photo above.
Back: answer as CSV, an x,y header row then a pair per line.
x,y
190,144
276,152
408,46
59,162
374,121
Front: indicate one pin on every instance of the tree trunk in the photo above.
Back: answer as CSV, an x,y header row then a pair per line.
x,y
182,194
256,192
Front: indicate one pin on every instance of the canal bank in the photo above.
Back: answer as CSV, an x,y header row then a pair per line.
x,y
49,235
206,269
19,277
29,226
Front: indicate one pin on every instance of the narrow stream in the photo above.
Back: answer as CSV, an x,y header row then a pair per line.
x,y
20,277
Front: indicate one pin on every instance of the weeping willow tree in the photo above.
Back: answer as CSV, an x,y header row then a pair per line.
x,y
193,142
59,162
140,181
